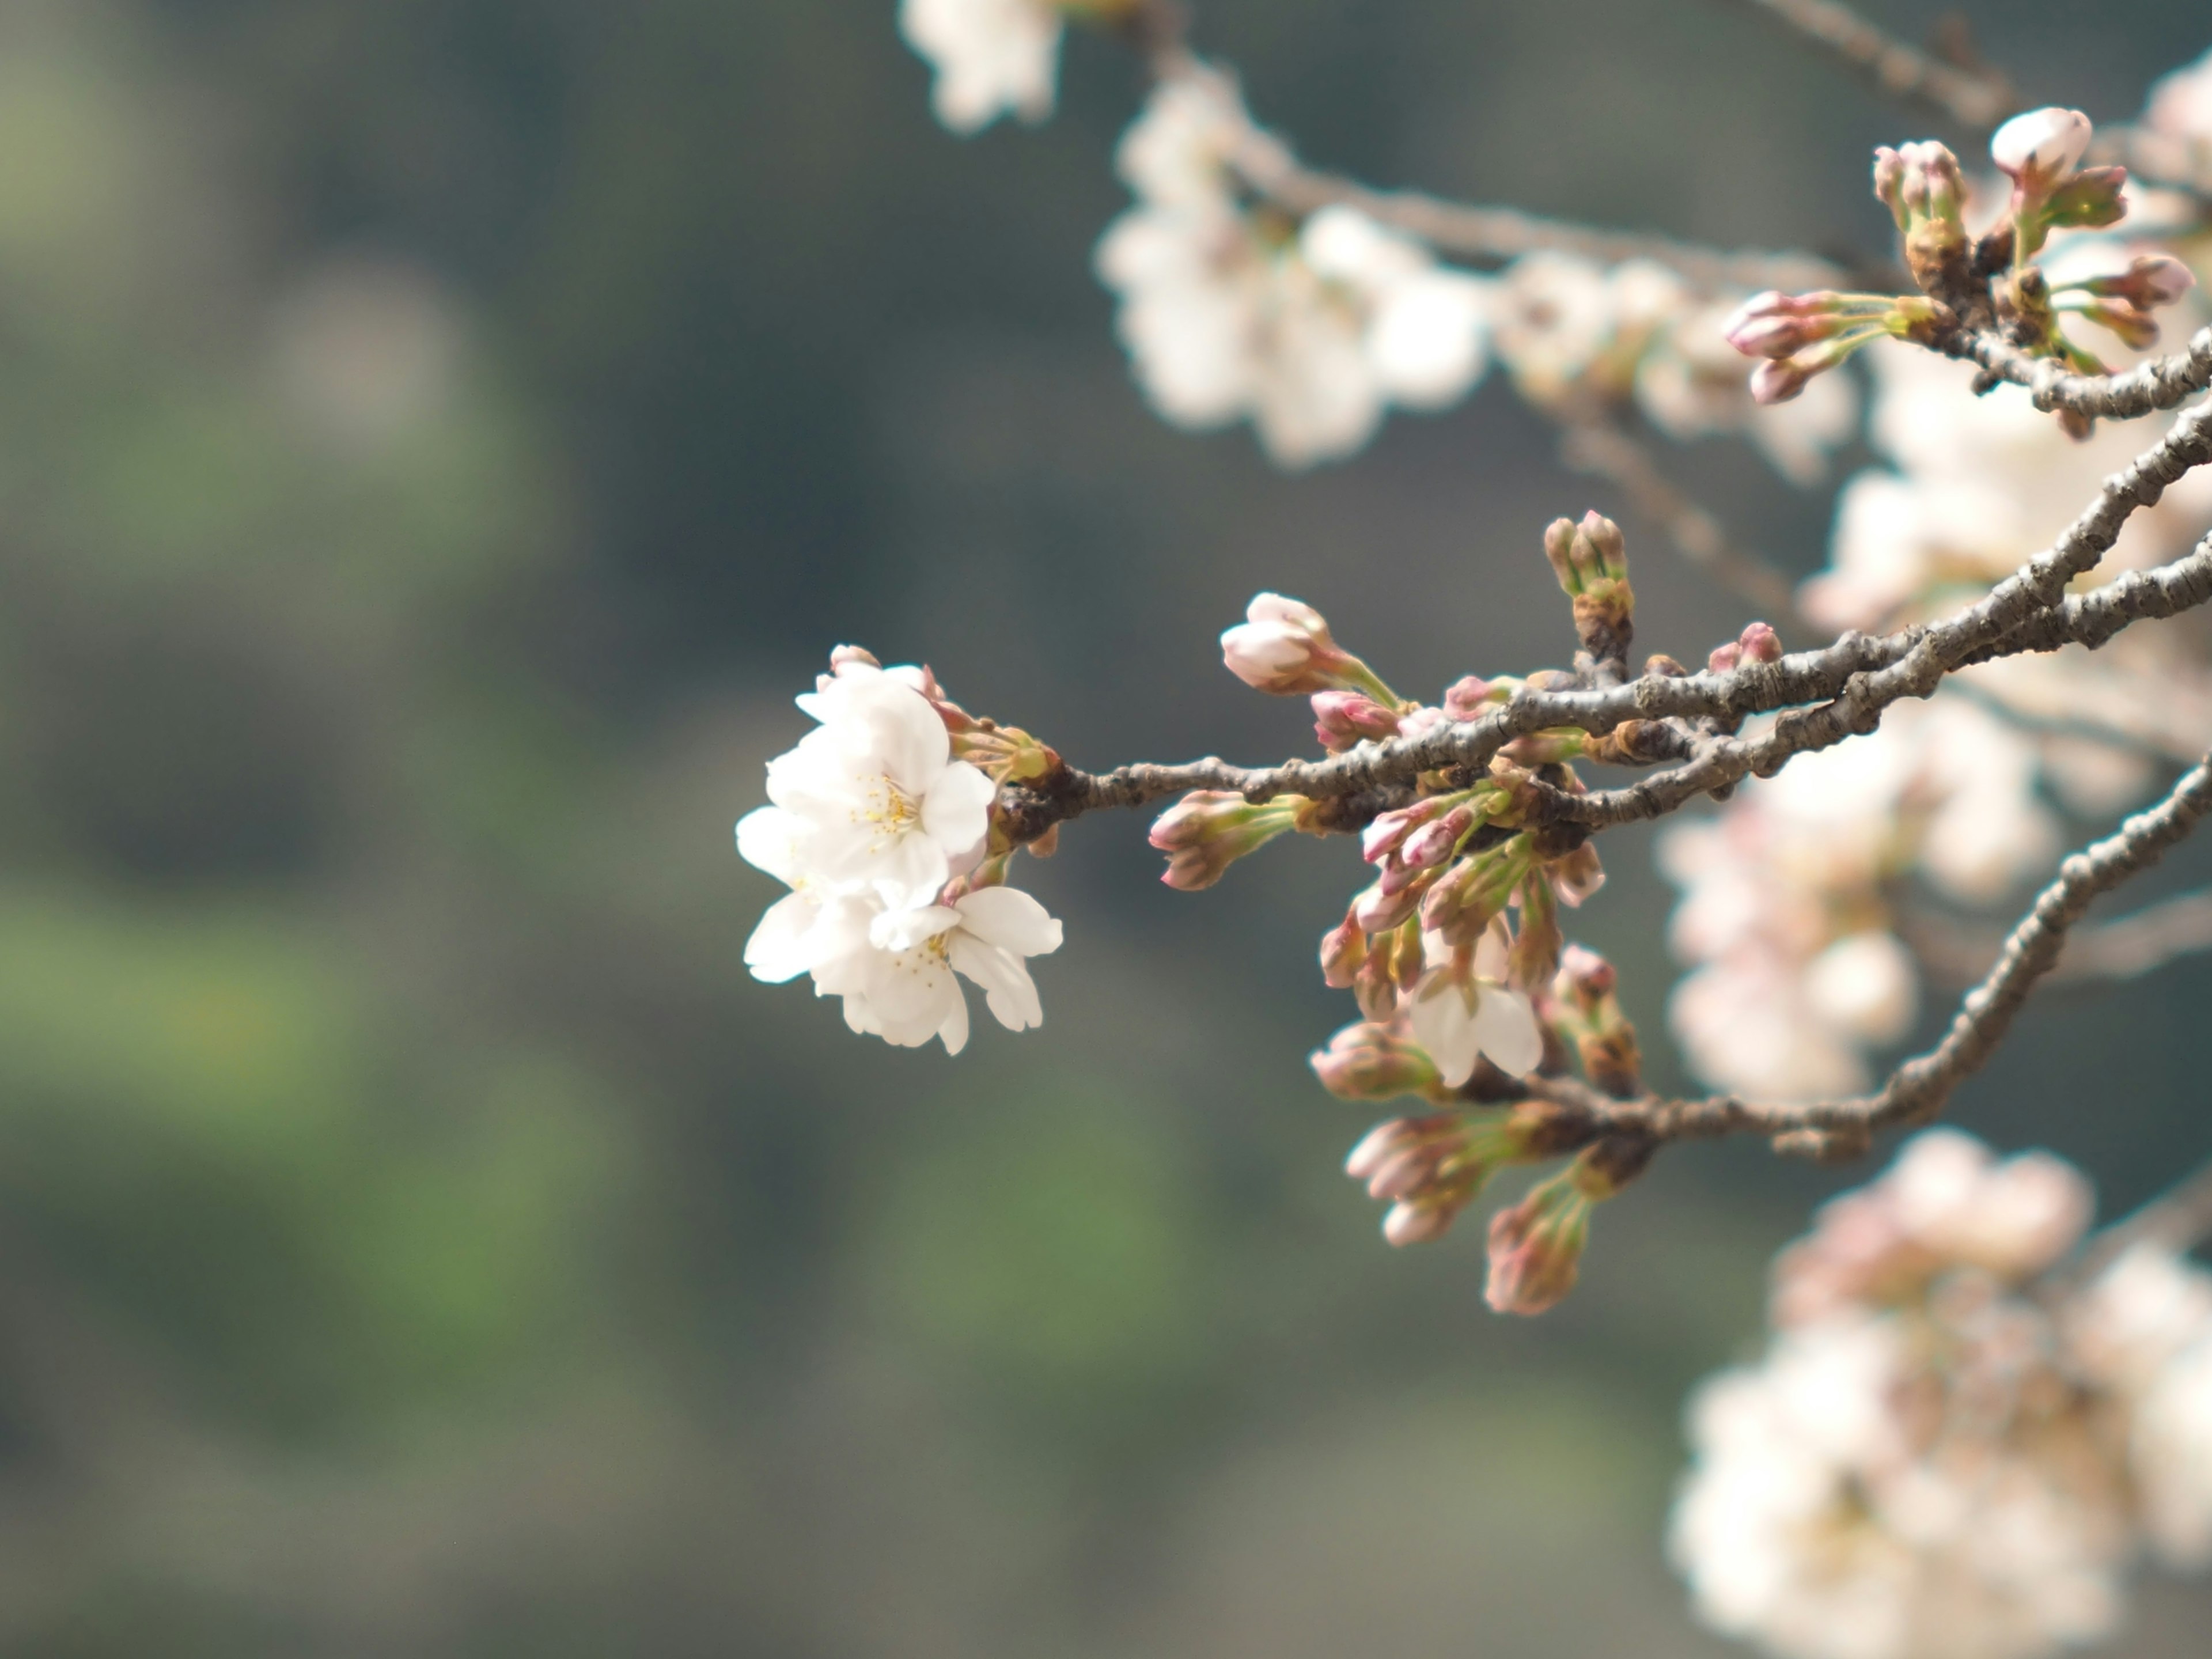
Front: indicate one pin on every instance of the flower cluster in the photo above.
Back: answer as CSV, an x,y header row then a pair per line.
x,y
1993,280
1234,309
1579,337
885,839
1944,1454
993,58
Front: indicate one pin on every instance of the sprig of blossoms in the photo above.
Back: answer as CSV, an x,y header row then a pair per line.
x,y
1942,1455
885,839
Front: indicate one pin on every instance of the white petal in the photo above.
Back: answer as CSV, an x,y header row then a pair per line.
x,y
1008,990
1012,920
783,946
775,841
957,811
1443,1015
912,871
1505,1030
908,733
902,930
954,1031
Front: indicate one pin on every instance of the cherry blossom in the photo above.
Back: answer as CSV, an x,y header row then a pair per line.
x,y
992,56
896,968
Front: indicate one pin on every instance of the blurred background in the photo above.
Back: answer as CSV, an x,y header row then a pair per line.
x,y
437,438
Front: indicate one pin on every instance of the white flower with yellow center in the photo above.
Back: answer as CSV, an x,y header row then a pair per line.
x,y
883,804
896,968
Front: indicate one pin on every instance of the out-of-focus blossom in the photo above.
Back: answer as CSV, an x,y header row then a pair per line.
x,y
1942,1454
993,58
1231,311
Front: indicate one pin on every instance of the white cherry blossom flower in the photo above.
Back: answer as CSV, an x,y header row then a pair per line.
x,y
992,56
1310,330
895,968
782,945
884,802
1462,1009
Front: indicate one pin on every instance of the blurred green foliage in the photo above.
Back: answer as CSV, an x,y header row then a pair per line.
x,y
436,437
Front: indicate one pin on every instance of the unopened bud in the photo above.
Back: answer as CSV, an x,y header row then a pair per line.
x,y
1368,1062
2150,281
1659,665
1777,325
1343,950
1382,906
1432,844
1586,977
1469,698
2041,146
1209,829
1577,876
1760,643
845,654
1417,1224
1283,647
1536,1248
1344,719
1777,381
2137,328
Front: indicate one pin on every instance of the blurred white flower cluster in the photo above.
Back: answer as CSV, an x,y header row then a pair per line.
x,y
993,58
1232,309
1942,1454
1786,919
881,837
1578,337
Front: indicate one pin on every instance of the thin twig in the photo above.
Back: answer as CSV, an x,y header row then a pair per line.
x,y
1976,100
2177,1221
1601,448
1917,1091
2126,948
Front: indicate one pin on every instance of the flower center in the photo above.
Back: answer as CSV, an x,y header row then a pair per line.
x,y
889,809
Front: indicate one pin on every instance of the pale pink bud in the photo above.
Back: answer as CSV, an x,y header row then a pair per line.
x,y
1589,975
1370,1061
2158,279
1381,838
2043,144
1468,699
1209,829
1724,659
1760,643
1415,1224
1536,1248
1380,1145
1283,647
1343,720
1777,382
1378,911
1777,325
1343,948
1432,844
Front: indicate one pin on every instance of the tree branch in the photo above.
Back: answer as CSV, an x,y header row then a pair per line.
x,y
2126,948
1975,100
1830,694
1917,1091
2162,383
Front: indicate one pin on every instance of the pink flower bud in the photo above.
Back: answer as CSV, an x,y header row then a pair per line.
x,y
1381,1144
2041,144
1370,1061
1432,844
1343,949
1760,643
1381,839
1536,1248
1777,382
1776,324
2158,279
1468,699
1412,1223
1283,647
1343,720
1378,910
1724,659
2139,329
1209,829
1589,975
1375,987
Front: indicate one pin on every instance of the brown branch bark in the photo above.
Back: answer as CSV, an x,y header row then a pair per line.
x,y
2163,383
1829,694
1976,100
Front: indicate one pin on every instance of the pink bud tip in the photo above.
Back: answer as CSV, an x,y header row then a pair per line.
x,y
2048,144
1760,643
1777,382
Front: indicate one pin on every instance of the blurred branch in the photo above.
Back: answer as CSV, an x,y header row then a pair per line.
x,y
2178,1220
1975,97
1159,30
1603,449
2127,948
